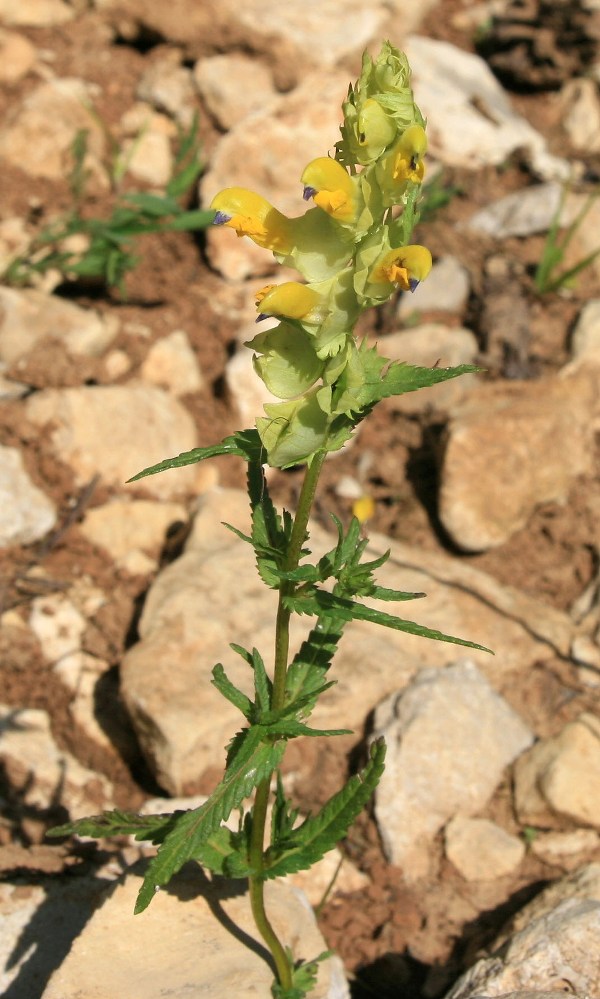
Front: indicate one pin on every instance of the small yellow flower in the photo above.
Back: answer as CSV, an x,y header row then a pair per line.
x,y
290,299
251,215
364,508
332,188
405,266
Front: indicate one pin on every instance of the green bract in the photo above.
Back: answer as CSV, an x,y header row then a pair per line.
x,y
350,252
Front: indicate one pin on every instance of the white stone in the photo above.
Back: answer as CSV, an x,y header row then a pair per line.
x,y
168,86
526,212
481,850
35,13
449,737
117,430
42,774
514,445
556,951
149,158
560,776
233,86
26,513
38,134
581,114
58,626
429,344
586,335
117,954
29,316
17,56
469,117
165,704
565,849
446,289
14,240
125,527
172,363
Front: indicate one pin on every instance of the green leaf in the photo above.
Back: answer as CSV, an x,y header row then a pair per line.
x,y
252,762
304,978
263,685
119,823
236,697
243,444
320,833
319,602
186,221
290,728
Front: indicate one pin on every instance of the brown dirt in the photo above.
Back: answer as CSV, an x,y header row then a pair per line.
x,y
397,942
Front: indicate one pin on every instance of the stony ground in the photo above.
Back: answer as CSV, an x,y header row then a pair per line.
x,y
396,939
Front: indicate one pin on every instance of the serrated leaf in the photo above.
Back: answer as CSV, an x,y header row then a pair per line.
x,y
244,444
320,833
322,602
253,761
151,828
304,978
290,728
235,696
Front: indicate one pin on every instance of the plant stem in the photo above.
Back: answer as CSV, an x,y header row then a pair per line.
x,y
261,800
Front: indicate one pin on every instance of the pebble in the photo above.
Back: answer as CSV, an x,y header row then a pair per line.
x,y
481,850
26,513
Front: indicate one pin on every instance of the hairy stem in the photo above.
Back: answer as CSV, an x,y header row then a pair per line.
x,y
282,641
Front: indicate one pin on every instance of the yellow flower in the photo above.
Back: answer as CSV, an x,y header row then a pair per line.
x,y
405,266
332,189
290,299
251,215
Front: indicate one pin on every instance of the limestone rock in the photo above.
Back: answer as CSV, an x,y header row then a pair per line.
x,y
247,391
150,158
512,446
171,362
124,528
117,430
581,114
565,849
525,212
28,316
559,778
35,13
168,86
38,134
550,946
481,850
26,513
233,86
44,776
586,335
469,117
446,290
17,56
449,736
118,954
190,613
429,344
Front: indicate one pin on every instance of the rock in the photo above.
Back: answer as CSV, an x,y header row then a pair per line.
x,y
59,623
26,513
481,850
38,134
559,778
565,849
127,527
165,704
43,776
233,86
27,317
117,954
511,446
149,158
549,948
35,13
580,116
445,290
168,86
29,913
14,240
172,363
586,335
449,737
116,430
470,120
269,158
525,212
9,388
17,55
429,344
